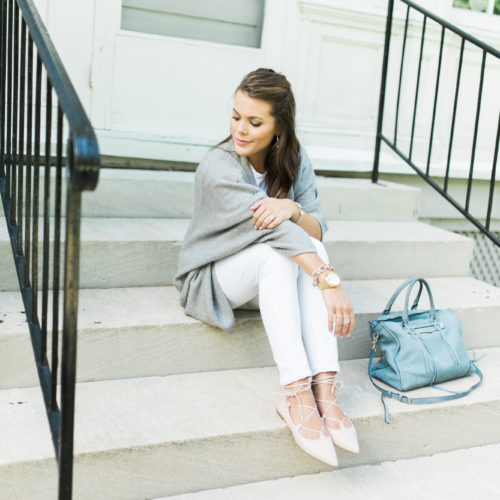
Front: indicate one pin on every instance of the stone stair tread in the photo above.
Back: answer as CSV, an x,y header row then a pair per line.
x,y
385,481
172,176
150,229
150,334
385,200
121,252
198,431
153,306
150,411
106,229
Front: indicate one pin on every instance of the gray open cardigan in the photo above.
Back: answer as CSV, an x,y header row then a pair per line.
x,y
225,189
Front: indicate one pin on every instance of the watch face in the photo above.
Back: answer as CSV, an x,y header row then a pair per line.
x,y
333,279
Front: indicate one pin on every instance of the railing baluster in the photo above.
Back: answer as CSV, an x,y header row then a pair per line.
x,y
8,151
455,105
29,166
36,190
381,104
57,265
15,89
493,176
3,48
20,149
476,127
435,102
401,74
417,87
46,216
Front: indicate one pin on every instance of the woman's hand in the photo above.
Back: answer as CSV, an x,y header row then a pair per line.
x,y
339,308
270,212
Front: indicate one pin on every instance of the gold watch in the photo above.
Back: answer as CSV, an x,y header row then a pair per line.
x,y
331,280
301,213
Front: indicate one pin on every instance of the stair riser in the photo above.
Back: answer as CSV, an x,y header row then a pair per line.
x,y
229,460
171,195
111,264
174,349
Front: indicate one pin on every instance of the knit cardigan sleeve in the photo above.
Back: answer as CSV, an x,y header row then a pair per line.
x,y
305,191
221,226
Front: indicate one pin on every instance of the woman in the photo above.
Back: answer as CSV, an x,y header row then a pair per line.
x,y
255,239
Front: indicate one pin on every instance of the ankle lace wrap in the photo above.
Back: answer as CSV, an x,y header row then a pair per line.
x,y
335,385
295,390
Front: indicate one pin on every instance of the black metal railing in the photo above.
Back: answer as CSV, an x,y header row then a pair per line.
x,y
481,222
39,113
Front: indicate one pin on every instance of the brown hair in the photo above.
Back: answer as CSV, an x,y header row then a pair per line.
x,y
283,157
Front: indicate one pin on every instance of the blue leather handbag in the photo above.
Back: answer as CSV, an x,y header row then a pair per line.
x,y
419,348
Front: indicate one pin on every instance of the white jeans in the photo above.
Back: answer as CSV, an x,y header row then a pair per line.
x,y
292,309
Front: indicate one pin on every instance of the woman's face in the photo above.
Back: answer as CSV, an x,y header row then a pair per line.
x,y
252,127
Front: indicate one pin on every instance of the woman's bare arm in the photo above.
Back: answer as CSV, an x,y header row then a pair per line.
x,y
336,300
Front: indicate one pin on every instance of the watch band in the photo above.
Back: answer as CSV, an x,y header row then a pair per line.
x,y
301,213
300,216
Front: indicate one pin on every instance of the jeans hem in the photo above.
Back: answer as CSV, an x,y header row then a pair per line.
x,y
285,381
333,368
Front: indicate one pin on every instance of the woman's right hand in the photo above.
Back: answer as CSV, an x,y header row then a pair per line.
x,y
271,212
339,307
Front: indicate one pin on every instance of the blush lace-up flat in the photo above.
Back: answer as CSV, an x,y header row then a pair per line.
x,y
321,448
342,429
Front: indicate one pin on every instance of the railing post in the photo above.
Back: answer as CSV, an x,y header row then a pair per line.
x,y
378,140
68,361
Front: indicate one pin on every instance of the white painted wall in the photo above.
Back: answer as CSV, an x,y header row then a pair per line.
x,y
152,96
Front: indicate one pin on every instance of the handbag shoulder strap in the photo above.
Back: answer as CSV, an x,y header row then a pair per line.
x,y
408,400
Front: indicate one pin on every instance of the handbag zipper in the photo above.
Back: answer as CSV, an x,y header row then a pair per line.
x,y
427,355
439,327
452,351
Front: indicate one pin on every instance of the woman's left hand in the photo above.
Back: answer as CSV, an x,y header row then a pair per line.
x,y
340,312
270,212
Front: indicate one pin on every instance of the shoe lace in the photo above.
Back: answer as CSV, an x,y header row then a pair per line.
x,y
295,391
336,385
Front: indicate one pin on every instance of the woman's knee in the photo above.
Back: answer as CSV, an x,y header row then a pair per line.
x,y
270,260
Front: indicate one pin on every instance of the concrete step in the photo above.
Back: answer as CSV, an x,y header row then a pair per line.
x,y
143,252
459,474
138,332
159,436
149,194
170,194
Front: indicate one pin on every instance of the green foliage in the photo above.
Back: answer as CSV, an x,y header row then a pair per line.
x,y
462,4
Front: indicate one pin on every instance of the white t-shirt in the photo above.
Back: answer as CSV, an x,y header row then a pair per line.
x,y
260,179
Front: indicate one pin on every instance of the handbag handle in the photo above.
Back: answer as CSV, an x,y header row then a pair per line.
x,y
410,283
387,309
406,320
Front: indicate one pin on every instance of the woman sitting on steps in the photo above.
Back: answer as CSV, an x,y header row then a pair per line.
x,y
255,240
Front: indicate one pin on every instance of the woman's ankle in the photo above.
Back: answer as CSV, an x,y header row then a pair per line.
x,y
324,385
